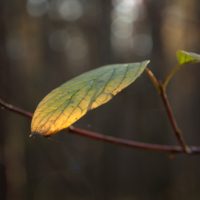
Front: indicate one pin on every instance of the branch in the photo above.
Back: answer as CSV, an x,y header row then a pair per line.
x,y
15,109
129,143
139,145
162,91
173,121
153,79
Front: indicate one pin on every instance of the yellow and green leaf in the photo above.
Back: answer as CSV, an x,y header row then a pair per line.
x,y
187,57
69,102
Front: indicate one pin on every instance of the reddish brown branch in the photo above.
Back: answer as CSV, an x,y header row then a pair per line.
x,y
109,139
177,131
161,90
153,79
15,109
128,143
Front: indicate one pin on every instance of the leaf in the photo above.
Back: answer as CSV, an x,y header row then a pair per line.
x,y
183,58
69,102
187,57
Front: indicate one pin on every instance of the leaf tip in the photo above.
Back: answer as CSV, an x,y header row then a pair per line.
x,y
46,135
148,61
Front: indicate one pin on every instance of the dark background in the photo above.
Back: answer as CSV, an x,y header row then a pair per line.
x,y
45,43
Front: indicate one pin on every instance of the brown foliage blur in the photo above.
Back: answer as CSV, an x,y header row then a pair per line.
x,y
45,43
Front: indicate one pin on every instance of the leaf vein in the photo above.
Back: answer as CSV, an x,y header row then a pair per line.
x,y
73,109
49,106
56,110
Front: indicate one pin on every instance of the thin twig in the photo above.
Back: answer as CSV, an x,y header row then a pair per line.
x,y
176,68
15,109
153,79
172,120
139,145
162,91
129,143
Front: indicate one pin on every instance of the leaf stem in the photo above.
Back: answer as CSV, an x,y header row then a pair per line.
x,y
153,78
117,141
176,68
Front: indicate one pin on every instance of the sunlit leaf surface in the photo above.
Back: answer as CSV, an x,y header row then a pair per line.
x,y
69,102
187,57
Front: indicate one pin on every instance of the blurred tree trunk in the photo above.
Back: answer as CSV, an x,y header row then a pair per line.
x,y
104,32
4,76
11,141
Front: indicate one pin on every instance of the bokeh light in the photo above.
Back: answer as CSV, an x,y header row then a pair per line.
x,y
78,48
127,9
122,27
37,8
59,40
70,10
16,48
77,54
142,44
124,14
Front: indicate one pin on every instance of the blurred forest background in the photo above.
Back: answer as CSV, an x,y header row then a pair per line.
x,y
44,43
